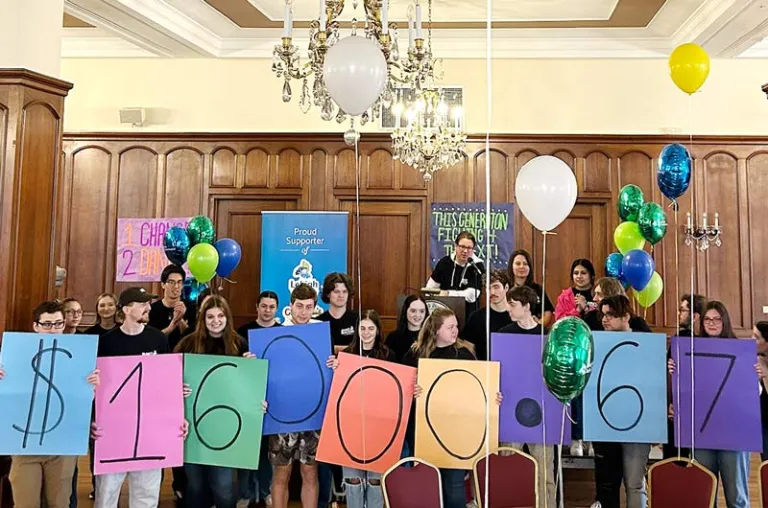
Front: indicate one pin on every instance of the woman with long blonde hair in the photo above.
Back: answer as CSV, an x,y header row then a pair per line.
x,y
106,314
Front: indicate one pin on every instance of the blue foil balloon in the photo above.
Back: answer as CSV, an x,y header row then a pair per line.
x,y
674,175
176,243
637,268
229,256
192,289
613,265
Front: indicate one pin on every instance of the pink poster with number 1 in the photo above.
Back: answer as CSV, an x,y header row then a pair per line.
x,y
140,412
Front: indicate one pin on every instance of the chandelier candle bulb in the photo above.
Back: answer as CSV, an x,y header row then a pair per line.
x,y
287,21
717,220
384,16
322,15
689,222
705,221
418,21
410,32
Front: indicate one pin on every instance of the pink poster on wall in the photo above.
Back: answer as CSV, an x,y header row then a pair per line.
x,y
140,253
140,411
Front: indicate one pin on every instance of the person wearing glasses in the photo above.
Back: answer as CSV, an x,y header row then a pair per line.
x,y
73,314
37,477
460,273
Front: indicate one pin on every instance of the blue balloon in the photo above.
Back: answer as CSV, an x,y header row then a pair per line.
x,y
637,268
613,265
229,256
192,289
177,244
675,166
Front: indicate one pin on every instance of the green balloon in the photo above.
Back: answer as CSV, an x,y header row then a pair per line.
x,y
630,201
627,237
567,359
200,230
653,222
202,261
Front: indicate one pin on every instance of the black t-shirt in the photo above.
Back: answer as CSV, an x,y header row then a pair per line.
x,y
368,353
515,328
253,325
452,352
342,329
451,275
161,316
97,329
212,346
400,342
764,406
118,343
536,308
474,329
595,323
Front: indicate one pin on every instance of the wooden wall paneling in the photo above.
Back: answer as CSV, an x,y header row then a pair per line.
x,y
387,226
500,178
411,178
257,164
87,251
597,172
344,169
379,170
183,196
756,234
746,291
239,218
451,185
288,170
723,272
524,230
319,190
223,167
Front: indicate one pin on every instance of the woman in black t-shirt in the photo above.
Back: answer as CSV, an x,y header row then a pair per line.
x,y
106,312
214,335
521,274
413,313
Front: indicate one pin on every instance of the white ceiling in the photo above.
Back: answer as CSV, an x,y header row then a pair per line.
x,y
192,28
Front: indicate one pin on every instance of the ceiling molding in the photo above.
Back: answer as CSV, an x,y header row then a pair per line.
x,y
738,29
86,46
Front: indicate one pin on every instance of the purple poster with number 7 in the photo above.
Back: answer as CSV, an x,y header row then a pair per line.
x,y
528,409
726,397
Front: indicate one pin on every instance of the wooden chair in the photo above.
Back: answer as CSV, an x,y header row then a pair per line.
x,y
512,479
680,483
762,484
412,487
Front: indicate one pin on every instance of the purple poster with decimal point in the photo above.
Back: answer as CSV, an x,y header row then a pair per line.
x,y
726,400
522,416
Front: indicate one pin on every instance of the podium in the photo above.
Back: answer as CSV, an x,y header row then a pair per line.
x,y
457,304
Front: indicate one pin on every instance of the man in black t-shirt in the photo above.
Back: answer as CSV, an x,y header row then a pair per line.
x,y
521,300
474,330
171,315
336,290
133,337
266,308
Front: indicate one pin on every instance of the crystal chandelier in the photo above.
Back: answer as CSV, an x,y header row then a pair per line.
x,y
431,137
703,234
324,33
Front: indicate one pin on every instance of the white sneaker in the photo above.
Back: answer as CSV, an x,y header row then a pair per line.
x,y
577,448
472,504
596,505
590,450
268,500
243,503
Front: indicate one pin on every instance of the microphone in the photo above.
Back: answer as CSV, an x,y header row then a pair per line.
x,y
472,262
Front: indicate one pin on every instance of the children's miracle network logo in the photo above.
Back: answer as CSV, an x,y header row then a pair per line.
x,y
302,274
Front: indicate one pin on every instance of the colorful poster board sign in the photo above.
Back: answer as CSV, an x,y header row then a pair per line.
x,y
140,410
625,400
364,426
726,396
529,410
45,395
451,429
224,411
301,248
450,219
140,252
299,379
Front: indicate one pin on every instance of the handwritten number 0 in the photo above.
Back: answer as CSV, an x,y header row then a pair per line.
x,y
602,400
197,419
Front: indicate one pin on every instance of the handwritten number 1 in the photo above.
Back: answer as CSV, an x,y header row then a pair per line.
x,y
731,362
135,457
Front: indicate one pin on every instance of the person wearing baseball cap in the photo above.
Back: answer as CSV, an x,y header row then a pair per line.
x,y
132,337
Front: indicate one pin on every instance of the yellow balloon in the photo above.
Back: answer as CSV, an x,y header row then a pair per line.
x,y
689,67
652,291
627,237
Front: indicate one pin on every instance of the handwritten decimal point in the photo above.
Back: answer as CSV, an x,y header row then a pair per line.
x,y
528,413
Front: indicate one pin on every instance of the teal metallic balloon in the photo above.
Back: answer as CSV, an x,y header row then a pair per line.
x,y
630,201
567,358
200,230
652,222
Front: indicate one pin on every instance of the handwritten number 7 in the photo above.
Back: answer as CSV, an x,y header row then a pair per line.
x,y
731,362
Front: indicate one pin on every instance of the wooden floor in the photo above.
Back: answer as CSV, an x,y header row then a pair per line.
x,y
579,488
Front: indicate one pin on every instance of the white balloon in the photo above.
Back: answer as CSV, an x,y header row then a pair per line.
x,y
355,72
546,191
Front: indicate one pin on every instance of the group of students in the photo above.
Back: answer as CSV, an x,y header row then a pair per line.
x,y
129,325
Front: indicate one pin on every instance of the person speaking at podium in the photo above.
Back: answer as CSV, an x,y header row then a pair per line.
x,y
461,273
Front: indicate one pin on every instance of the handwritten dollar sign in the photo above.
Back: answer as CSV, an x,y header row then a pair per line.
x,y
52,390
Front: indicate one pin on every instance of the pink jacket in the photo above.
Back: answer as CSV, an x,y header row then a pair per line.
x,y
566,305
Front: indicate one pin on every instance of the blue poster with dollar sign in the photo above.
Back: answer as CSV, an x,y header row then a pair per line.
x,y
301,248
45,395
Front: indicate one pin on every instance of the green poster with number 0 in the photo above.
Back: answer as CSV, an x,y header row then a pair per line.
x,y
224,410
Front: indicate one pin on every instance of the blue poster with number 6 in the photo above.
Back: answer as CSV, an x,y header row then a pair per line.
x,y
625,400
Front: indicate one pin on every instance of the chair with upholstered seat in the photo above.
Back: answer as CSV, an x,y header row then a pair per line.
x,y
512,479
412,487
680,483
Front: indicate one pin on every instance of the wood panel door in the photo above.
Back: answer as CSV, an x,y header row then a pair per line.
x,y
392,255
581,235
240,219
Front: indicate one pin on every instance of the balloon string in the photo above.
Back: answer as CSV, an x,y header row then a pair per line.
x,y
541,325
676,415
693,260
359,283
560,480
489,116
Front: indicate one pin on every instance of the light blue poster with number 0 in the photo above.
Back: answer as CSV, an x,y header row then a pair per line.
x,y
625,400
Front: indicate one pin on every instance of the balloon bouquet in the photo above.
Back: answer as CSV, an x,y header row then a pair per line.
x,y
195,247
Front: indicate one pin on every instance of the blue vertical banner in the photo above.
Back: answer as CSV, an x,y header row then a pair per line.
x,y
449,219
301,248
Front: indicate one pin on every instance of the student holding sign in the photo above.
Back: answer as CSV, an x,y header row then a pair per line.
x,y
412,315
474,330
35,477
731,466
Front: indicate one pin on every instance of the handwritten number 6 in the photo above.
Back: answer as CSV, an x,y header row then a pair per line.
x,y
602,400
197,419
